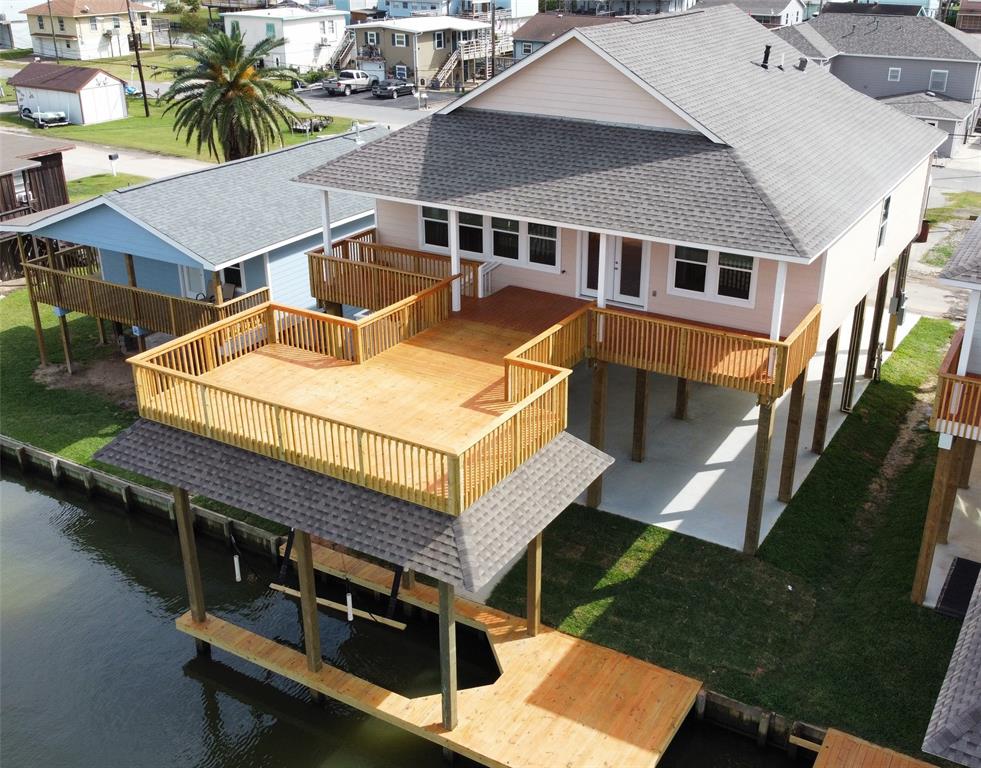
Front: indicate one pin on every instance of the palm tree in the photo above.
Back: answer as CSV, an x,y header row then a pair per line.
x,y
227,98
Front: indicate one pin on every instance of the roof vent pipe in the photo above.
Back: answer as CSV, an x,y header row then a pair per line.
x,y
766,56
802,63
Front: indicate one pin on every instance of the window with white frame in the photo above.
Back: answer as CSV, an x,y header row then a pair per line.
x,y
61,24
371,38
543,244
883,221
144,19
938,80
471,233
40,22
271,30
116,25
234,275
399,40
435,227
401,71
330,27
527,49
712,275
94,23
895,74
438,40
505,238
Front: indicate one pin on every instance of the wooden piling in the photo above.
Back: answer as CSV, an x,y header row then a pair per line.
x,y
681,399
791,443
189,554
824,393
757,488
876,330
447,654
641,400
851,363
308,604
931,527
964,479
899,288
131,277
42,350
597,426
533,595
957,455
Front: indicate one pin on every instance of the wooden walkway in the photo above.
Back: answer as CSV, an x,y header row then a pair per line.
x,y
559,701
842,750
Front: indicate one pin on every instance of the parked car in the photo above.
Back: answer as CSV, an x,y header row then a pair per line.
x,y
44,119
393,88
349,81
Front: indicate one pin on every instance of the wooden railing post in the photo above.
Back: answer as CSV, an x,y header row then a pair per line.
x,y
682,361
454,485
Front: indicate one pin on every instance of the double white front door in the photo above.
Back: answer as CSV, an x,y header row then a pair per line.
x,y
627,268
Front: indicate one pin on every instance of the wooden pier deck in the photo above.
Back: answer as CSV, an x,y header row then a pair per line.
x,y
842,750
560,701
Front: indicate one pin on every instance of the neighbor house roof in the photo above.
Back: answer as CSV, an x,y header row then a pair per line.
x,y
659,183
806,40
965,265
17,151
755,7
287,14
225,212
466,550
954,732
420,24
75,8
886,9
930,105
545,27
918,37
56,77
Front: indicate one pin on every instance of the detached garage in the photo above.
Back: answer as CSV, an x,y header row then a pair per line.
x,y
86,95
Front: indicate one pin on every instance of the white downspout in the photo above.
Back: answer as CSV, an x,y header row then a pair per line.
x,y
454,241
325,220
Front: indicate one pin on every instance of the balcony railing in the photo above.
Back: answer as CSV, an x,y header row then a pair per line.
x,y
172,388
957,406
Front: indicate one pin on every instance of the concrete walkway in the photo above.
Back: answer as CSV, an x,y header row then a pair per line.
x,y
964,538
695,478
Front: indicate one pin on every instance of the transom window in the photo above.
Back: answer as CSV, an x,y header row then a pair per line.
x,y
435,227
883,221
712,275
938,80
895,74
529,244
399,40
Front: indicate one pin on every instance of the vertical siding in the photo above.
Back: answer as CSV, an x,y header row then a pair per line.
x,y
574,82
853,263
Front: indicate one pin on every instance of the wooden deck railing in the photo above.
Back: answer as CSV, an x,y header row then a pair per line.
x,y
538,360
131,306
362,285
702,353
401,261
957,405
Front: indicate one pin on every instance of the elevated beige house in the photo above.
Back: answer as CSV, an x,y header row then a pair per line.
x,y
86,29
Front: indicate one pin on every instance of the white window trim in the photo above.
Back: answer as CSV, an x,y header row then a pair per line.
x,y
405,71
897,78
370,37
711,292
946,74
441,38
615,246
882,233
241,270
524,245
400,35
527,49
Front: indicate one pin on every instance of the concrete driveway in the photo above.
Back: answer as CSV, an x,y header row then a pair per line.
x,y
395,113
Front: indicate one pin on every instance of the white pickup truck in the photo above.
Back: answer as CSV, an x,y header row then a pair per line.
x,y
349,81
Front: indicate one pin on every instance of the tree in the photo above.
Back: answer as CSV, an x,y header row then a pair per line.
x,y
228,99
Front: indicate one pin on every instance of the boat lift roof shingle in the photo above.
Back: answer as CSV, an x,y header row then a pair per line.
x,y
467,551
954,732
658,183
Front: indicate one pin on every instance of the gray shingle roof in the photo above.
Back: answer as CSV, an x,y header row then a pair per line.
x,y
467,551
545,27
807,40
965,264
226,211
759,7
659,183
895,36
925,104
954,732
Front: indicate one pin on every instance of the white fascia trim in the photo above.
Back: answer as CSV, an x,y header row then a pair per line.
x,y
290,240
574,34
966,285
878,202
12,226
158,234
581,227
907,58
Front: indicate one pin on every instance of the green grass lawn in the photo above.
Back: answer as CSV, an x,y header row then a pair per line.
x,y
93,186
959,205
152,134
74,423
818,627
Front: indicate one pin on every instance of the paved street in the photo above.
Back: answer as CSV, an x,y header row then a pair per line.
x,y
366,108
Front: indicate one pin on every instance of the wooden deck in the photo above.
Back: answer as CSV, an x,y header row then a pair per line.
x,y
559,700
957,404
842,750
454,373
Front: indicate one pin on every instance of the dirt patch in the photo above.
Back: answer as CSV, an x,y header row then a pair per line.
x,y
112,378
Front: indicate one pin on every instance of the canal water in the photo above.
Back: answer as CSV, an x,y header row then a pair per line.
x,y
93,672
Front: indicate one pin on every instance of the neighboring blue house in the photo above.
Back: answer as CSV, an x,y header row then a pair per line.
x,y
246,220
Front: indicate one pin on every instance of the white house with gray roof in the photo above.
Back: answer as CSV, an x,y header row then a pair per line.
x,y
916,64
243,223
632,164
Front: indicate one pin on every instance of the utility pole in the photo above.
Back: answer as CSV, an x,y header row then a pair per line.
x,y
54,39
139,61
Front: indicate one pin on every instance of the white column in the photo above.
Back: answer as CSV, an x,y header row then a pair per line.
x,y
969,325
325,220
601,272
779,291
454,237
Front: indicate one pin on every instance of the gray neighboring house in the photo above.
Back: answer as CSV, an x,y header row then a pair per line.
x,y
916,64
954,732
769,13
543,28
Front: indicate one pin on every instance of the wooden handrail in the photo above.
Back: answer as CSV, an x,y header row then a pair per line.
x,y
957,403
